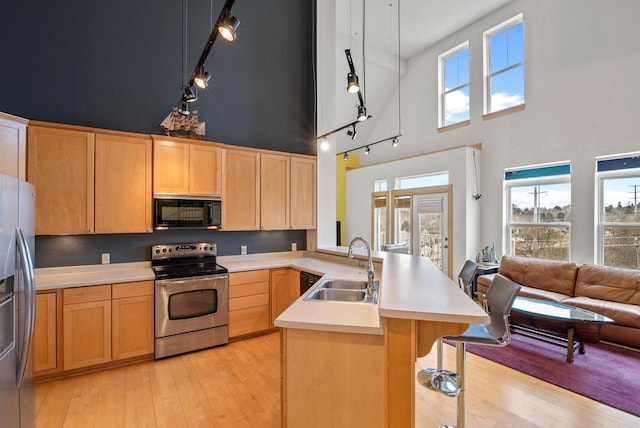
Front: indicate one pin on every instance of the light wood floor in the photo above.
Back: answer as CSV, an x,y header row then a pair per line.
x,y
238,385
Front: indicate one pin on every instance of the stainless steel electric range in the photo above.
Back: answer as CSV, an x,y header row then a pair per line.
x,y
191,298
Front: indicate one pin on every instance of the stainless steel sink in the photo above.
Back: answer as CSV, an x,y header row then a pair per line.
x,y
344,284
340,290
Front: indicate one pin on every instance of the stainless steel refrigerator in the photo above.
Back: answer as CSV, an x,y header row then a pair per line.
x,y
17,303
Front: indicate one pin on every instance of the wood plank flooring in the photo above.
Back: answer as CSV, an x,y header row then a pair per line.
x,y
238,385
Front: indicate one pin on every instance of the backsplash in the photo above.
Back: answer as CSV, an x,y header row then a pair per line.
x,y
73,250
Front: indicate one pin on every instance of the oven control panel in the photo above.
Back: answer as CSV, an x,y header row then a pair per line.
x,y
174,251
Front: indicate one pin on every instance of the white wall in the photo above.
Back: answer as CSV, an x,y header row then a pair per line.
x,y
582,62
466,219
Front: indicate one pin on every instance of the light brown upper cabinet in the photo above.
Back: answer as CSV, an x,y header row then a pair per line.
x,y
240,189
122,184
274,191
303,192
287,192
186,168
13,145
60,166
89,182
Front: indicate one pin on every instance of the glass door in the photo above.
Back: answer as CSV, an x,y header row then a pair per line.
x,y
421,220
379,220
430,232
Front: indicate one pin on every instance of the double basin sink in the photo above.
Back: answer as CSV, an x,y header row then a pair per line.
x,y
344,290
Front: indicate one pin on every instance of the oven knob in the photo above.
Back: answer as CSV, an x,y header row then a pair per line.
x,y
157,251
164,250
170,250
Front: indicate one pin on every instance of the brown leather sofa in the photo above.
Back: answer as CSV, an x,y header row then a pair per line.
x,y
610,291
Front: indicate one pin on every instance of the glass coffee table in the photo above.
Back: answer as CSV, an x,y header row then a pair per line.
x,y
556,323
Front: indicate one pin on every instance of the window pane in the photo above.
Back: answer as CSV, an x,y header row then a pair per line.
x,y
498,50
507,89
544,242
622,247
456,70
541,203
402,215
456,106
515,45
423,181
620,200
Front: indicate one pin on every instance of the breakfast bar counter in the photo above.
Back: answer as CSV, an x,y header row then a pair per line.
x,y
341,378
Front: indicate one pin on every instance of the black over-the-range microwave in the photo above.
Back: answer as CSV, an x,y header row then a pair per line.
x,y
187,211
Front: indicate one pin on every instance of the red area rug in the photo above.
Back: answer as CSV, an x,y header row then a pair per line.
x,y
605,373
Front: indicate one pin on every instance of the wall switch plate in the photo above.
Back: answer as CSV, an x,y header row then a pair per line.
x,y
243,249
294,246
106,258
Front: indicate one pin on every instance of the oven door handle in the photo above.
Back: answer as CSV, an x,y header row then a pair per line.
x,y
178,281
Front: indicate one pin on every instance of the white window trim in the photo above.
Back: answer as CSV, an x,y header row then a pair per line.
x,y
441,86
557,179
486,49
600,224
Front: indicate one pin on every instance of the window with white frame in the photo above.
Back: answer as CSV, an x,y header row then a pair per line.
x,y
618,196
380,186
538,217
504,65
425,180
453,85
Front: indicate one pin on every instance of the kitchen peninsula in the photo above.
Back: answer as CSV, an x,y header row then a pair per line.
x,y
352,374
343,364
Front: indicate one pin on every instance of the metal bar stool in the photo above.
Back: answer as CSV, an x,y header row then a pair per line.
x,y
499,299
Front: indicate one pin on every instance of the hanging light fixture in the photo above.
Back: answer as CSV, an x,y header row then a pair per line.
x,y
189,95
351,131
367,150
324,144
394,142
362,113
202,77
228,27
353,84
346,156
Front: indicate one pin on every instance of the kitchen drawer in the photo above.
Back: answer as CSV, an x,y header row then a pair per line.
x,y
248,301
92,293
248,276
132,289
250,320
248,289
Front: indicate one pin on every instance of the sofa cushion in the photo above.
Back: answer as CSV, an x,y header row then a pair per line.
x,y
608,283
550,275
538,293
621,313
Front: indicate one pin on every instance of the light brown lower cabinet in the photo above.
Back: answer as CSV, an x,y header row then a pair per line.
x,y
105,323
45,340
285,289
132,320
248,302
86,326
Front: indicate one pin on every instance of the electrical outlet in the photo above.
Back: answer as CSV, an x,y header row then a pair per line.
x,y
106,258
243,249
294,246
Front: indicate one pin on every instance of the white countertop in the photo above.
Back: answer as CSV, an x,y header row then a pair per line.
x,y
411,287
78,276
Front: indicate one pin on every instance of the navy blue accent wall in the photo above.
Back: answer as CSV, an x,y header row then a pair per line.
x,y
87,249
117,64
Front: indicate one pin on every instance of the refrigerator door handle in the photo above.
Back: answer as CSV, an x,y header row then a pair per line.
x,y
30,303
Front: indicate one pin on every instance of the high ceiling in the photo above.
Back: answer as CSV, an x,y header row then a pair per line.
x,y
424,22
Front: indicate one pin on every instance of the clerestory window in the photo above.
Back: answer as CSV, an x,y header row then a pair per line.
x,y
504,66
453,85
